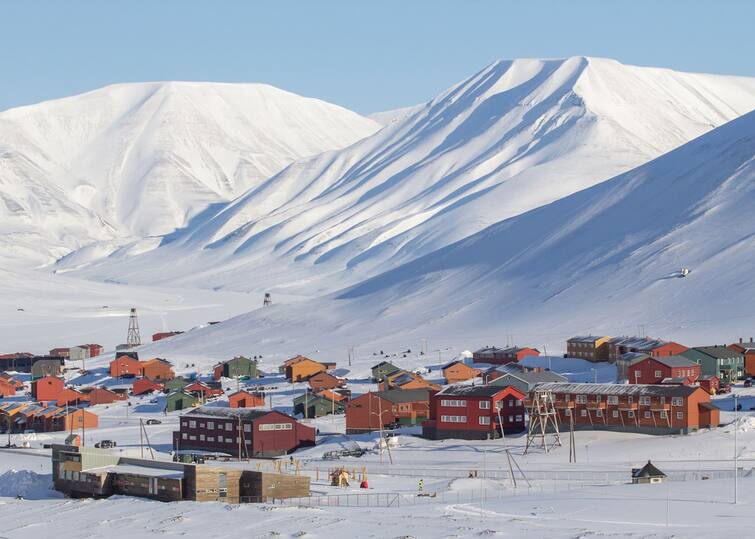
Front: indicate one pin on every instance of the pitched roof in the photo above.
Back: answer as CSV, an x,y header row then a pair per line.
x,y
383,363
647,471
535,377
235,413
639,343
670,361
586,338
718,351
460,390
619,389
404,395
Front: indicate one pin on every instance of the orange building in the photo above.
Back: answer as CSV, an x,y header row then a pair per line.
x,y
125,367
458,371
303,369
245,399
747,349
7,389
79,418
47,389
157,369
406,380
70,397
142,386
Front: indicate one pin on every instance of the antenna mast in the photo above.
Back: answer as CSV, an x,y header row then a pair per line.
x,y
543,421
133,338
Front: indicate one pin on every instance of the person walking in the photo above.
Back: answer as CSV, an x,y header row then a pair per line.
x,y
421,485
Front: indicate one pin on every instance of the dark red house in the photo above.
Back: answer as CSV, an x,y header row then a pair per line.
x,y
254,432
502,356
164,335
474,412
384,409
202,390
654,370
652,347
100,395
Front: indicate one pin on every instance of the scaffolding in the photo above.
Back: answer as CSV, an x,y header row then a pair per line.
x,y
543,421
133,338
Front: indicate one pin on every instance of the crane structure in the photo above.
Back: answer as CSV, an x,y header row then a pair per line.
x,y
133,338
543,421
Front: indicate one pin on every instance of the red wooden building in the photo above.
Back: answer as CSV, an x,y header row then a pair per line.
x,y
100,395
502,356
202,390
650,409
652,347
709,383
245,399
142,386
60,352
253,432
655,370
164,335
384,409
747,349
70,397
7,389
474,412
47,389
125,367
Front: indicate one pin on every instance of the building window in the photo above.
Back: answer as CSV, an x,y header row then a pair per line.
x,y
581,399
663,400
567,412
664,415
630,413
648,414
192,424
210,425
511,419
453,419
519,403
276,426
192,438
485,405
229,426
680,415
615,413
658,374
201,425
210,438
567,397
484,420
454,403
630,399
677,401
583,413
638,374
599,413
519,418
184,423
247,427
613,399
201,437
183,435
644,401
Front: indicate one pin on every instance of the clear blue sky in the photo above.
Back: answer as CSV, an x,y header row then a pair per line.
x,y
368,58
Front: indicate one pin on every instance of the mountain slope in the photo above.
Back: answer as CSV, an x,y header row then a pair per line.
x,y
137,160
605,260
515,136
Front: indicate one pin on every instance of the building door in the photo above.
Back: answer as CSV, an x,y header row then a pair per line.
x,y
153,485
222,485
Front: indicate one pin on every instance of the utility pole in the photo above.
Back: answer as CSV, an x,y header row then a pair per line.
x,y
736,427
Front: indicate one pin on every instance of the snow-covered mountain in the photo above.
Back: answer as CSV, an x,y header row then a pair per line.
x,y
515,136
605,259
139,160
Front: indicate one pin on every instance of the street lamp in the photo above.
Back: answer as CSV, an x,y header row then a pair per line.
x,y
736,427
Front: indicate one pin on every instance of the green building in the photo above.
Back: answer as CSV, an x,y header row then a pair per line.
x,y
180,400
383,369
310,405
237,367
176,384
721,361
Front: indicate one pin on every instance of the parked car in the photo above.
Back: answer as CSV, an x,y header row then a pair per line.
x,y
105,444
724,388
153,422
748,382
